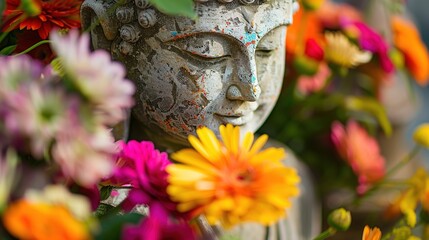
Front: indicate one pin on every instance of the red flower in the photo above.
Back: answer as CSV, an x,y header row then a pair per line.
x,y
313,50
54,13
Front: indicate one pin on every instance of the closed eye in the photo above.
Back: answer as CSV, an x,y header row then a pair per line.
x,y
270,42
265,52
204,47
199,57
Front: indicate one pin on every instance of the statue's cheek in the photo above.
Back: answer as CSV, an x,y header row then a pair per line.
x,y
159,92
270,74
195,105
181,104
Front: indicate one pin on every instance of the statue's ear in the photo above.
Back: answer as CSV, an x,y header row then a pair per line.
x,y
99,19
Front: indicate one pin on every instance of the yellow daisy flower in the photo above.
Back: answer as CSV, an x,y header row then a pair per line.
x,y
421,135
410,198
341,51
231,181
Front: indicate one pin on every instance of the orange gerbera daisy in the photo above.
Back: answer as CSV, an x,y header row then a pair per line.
x,y
54,13
407,40
231,181
38,221
302,29
371,233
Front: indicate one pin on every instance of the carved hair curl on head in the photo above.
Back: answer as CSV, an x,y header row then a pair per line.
x,y
128,19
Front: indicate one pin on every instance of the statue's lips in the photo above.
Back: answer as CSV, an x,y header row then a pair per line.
x,y
236,120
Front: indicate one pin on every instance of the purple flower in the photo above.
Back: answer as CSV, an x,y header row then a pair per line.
x,y
143,167
107,89
158,226
371,41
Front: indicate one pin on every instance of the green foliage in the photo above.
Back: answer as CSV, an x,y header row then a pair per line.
x,y
2,7
31,8
370,106
304,125
105,192
8,50
111,226
176,7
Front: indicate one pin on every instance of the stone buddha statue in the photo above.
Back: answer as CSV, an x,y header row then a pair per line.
x,y
226,66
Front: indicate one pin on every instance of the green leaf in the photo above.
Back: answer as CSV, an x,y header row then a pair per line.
x,y
8,50
105,192
111,227
58,67
176,7
103,210
2,6
372,107
30,7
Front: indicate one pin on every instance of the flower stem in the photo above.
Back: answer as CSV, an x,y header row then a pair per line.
x,y
33,47
425,233
404,161
410,156
328,233
206,230
387,236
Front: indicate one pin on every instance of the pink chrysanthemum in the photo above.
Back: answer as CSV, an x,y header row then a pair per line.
x,y
108,90
31,111
32,116
143,167
18,70
85,157
361,152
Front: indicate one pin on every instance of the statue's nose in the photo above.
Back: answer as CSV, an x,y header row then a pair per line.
x,y
245,87
243,93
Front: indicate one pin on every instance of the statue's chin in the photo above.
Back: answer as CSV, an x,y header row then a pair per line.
x,y
171,140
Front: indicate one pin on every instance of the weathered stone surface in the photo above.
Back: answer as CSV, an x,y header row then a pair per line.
x,y
225,67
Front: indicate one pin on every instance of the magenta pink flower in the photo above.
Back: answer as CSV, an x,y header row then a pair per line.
x,y
158,226
371,41
361,151
143,167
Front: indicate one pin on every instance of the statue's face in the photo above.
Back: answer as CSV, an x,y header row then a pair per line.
x,y
225,67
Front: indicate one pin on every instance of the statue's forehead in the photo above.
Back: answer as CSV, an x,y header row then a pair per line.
x,y
242,22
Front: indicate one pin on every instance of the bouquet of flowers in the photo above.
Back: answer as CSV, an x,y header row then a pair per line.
x,y
338,66
64,176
